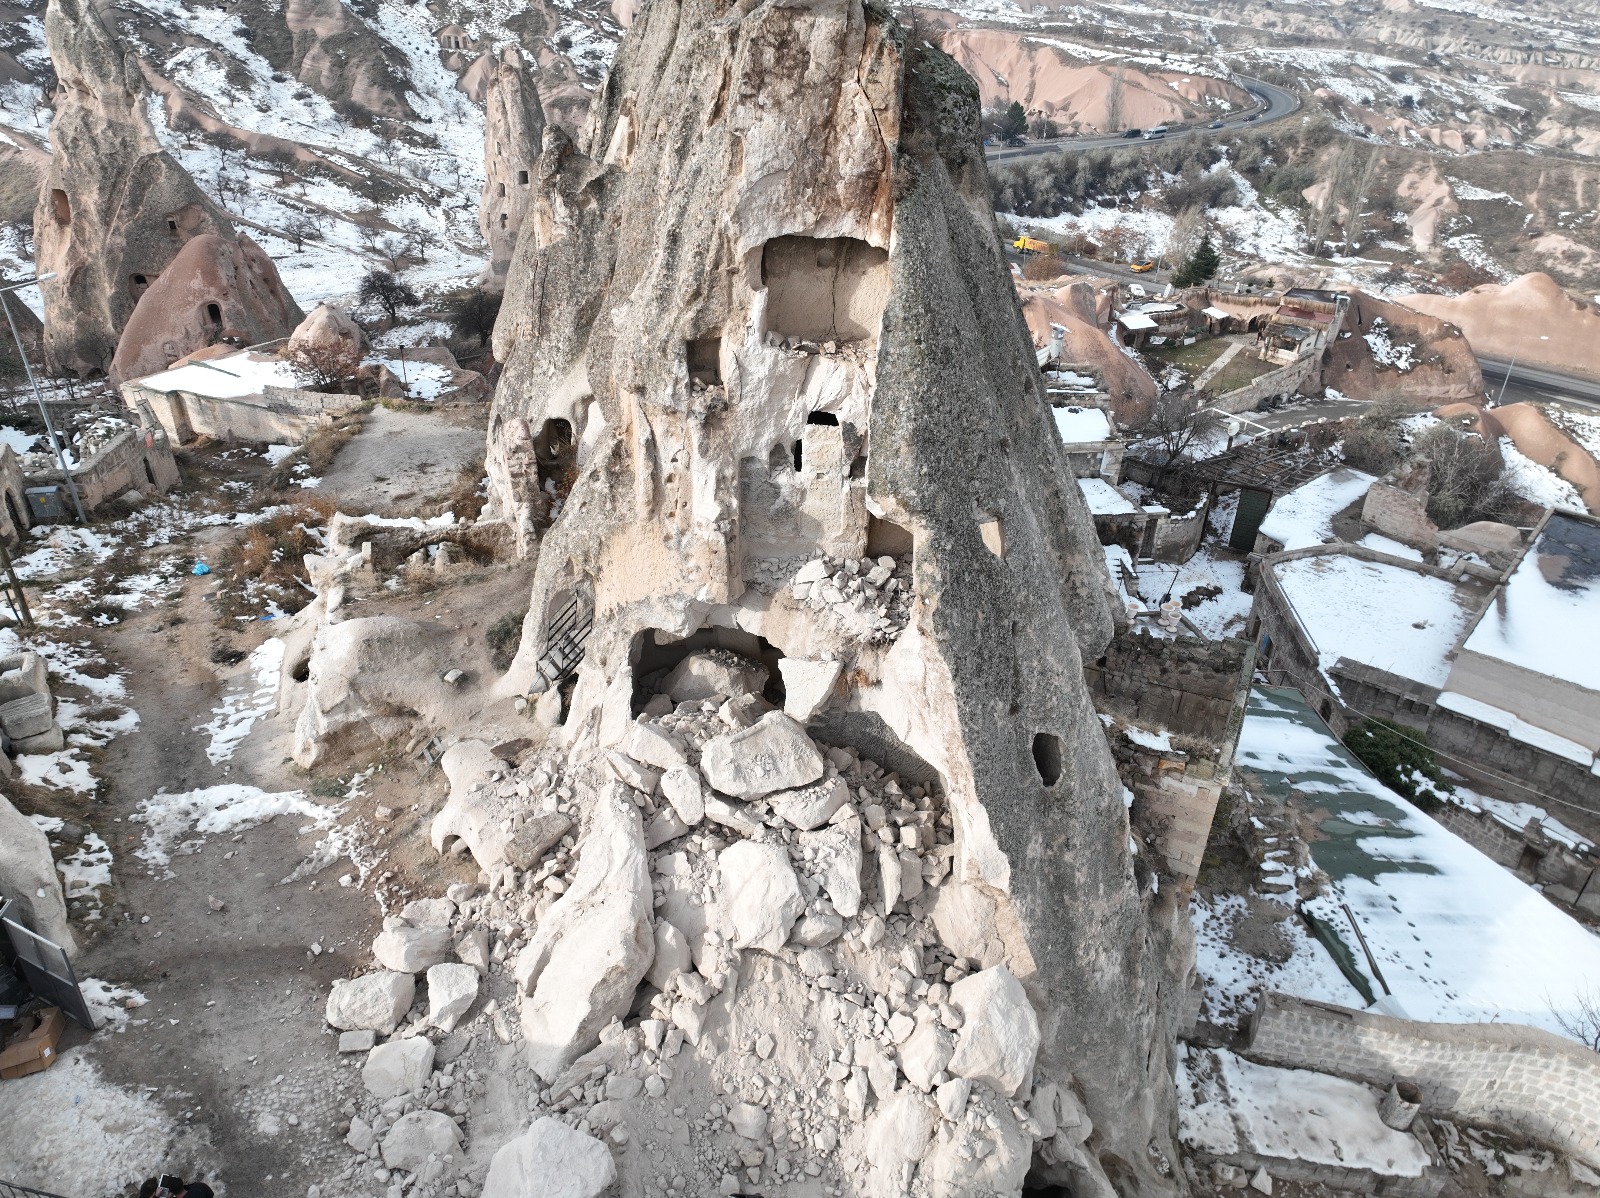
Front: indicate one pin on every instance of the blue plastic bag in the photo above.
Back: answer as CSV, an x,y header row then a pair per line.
x,y
201,568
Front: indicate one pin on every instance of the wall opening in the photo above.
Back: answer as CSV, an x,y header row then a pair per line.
x,y
886,538
1047,757
214,316
655,654
799,456
522,178
823,418
502,189
824,288
60,208
138,285
703,357
172,224
505,220
150,474
994,535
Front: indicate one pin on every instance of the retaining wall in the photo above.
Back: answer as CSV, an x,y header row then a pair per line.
x,y
1494,1074
1276,382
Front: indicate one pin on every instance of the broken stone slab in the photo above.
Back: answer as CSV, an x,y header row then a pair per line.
x,y
452,989
817,928
772,754
683,790
807,685
51,740
360,1136
30,715
664,826
419,1136
550,1160
28,876
811,806
720,811
713,674
429,912
882,1073
359,1041
836,862
634,773
398,1067
759,895
412,950
999,1035
890,879
672,955
593,946
952,1097
654,746
375,1001
743,710
897,1134
473,949
748,1120
535,837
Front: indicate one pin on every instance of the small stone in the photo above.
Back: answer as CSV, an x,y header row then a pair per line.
x,y
358,1041
383,814
1262,1181
748,1120
765,1046
398,1067
215,903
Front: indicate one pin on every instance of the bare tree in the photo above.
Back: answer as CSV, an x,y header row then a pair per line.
x,y
1114,102
1177,421
324,366
300,228
1583,1025
1467,479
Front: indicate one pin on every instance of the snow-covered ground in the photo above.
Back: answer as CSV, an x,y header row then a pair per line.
x,y
1458,938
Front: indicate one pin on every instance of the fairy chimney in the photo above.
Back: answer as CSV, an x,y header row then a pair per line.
x,y
513,133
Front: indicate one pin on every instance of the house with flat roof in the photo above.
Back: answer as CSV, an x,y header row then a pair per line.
x,y
1500,669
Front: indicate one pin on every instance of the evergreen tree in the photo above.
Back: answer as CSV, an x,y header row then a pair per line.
x,y
1015,123
1201,265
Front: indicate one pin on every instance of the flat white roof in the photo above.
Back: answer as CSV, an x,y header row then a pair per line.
x,y
1214,313
1079,426
1135,320
1104,499
1551,612
233,377
1380,615
1304,516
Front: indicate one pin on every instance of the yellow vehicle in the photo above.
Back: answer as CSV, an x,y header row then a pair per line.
x,y
1031,245
1143,267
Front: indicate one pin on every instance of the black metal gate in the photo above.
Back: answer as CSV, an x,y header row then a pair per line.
x,y
45,968
1253,505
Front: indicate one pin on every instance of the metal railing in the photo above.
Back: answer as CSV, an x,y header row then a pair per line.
x,y
564,642
10,1189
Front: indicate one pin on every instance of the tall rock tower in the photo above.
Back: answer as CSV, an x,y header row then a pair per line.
x,y
116,209
771,419
513,135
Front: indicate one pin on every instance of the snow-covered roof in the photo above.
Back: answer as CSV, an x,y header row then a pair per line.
x,y
1385,616
1305,515
1135,320
1080,426
233,377
1158,307
1214,313
1104,499
1547,622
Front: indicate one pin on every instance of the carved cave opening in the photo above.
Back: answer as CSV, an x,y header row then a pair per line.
x,y
60,208
703,358
1047,757
654,654
824,288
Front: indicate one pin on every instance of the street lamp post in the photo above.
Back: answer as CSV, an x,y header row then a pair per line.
x,y
38,397
1506,382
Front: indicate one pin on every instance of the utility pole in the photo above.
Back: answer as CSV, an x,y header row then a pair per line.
x,y
38,397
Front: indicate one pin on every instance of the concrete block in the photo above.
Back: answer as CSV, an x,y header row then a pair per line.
x,y
29,715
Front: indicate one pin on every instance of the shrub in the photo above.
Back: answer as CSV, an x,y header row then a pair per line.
x,y
504,637
263,567
1401,760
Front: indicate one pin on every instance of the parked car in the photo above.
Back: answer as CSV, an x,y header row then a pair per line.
x,y
1216,125
1143,266
1016,141
1252,116
1157,131
1133,133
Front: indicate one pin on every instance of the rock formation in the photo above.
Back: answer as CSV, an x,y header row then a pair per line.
x,y
1076,307
1530,318
769,394
116,211
1390,347
513,136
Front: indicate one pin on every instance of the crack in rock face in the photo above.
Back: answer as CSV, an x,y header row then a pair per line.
x,y
779,889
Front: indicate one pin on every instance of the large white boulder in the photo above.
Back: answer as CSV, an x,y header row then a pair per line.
x,y
990,1156
28,877
999,1031
807,685
713,674
417,1136
550,1160
772,754
927,1051
375,1002
413,950
672,955
897,1134
398,1067
758,895
452,989
683,790
811,806
593,946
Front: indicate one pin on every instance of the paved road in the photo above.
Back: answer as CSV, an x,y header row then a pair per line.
x,y
1278,104
1534,383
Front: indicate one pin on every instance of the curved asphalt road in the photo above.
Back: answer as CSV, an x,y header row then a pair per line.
x,y
1535,383
1273,104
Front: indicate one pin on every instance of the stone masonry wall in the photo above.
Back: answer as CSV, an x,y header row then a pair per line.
x,y
1499,1075
1188,685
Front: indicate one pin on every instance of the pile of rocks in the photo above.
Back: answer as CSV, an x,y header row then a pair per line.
x,y
735,981
870,598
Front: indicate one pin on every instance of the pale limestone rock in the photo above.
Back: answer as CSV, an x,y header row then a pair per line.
x,y
881,1071
412,950
836,863
952,1097
714,674
375,1002
671,956
452,989
550,1160
513,137
473,949
664,826
594,944
807,685
720,811
654,746
927,1051
772,754
812,806
28,877
398,1067
991,1157
360,1136
897,1134
999,1035
429,912
327,329
891,877
416,1136
748,1120
759,897
682,788
817,928
634,773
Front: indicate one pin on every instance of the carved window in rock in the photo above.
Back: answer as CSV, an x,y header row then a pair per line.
x,y
214,317
505,220
60,207
502,189
138,284
703,357
522,178
1047,757
555,450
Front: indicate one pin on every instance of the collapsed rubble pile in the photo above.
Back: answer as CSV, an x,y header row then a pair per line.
x,y
752,928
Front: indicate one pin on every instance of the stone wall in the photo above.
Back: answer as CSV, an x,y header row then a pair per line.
x,y
1187,685
1277,382
1397,506
282,414
14,509
1499,1075
133,459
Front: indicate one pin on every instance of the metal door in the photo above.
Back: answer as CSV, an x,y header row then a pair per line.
x,y
1253,505
46,969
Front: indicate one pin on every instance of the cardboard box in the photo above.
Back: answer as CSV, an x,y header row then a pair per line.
x,y
34,1049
